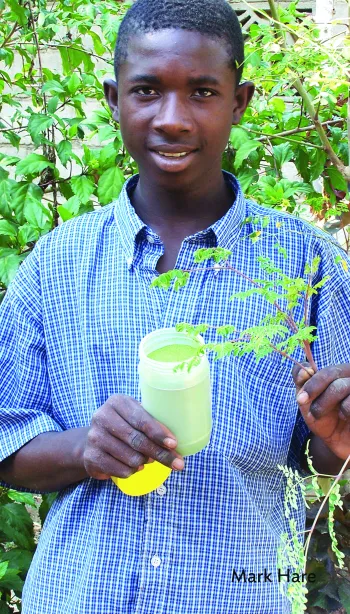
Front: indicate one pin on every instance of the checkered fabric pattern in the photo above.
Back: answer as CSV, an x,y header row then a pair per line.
x,y
70,326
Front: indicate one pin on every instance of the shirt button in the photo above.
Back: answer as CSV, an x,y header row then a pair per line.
x,y
155,561
150,239
161,490
129,261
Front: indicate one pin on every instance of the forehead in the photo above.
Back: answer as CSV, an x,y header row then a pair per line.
x,y
176,50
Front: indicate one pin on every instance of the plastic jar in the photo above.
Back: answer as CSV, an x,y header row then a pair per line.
x,y
181,400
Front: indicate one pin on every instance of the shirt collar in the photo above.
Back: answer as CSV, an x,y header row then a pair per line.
x,y
226,230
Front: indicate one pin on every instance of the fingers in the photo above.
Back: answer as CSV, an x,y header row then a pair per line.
x,y
141,432
117,449
334,397
106,466
300,376
344,408
326,391
123,437
133,413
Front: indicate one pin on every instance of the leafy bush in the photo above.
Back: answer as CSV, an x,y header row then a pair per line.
x,y
18,537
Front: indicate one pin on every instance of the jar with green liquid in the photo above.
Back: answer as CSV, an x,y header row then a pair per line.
x,y
181,400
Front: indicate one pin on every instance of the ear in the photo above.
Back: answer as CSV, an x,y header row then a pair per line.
x,y
111,94
243,96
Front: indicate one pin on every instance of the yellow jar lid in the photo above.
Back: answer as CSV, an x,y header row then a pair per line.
x,y
143,482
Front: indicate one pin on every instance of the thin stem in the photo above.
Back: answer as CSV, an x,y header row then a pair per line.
x,y
15,27
318,108
38,50
307,544
228,267
99,57
283,138
306,298
12,129
301,114
277,171
222,268
331,122
287,356
309,356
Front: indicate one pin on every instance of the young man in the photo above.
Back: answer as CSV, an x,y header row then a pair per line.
x,y
73,319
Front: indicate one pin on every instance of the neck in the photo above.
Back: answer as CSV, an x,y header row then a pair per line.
x,y
181,212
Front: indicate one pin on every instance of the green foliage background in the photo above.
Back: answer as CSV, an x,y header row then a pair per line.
x,y
77,162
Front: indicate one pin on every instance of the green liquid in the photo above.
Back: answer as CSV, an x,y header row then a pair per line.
x,y
173,353
187,413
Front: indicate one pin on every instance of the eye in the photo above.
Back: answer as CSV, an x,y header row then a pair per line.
x,y
205,93
145,91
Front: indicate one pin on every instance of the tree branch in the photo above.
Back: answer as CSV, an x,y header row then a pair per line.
x,y
15,27
331,122
344,170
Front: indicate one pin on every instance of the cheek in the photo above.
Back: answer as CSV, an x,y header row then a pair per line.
x,y
131,126
218,128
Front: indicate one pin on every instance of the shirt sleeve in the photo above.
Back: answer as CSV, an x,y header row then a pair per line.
x,y
330,314
25,395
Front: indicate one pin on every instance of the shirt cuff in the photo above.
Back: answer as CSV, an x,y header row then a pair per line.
x,y
14,437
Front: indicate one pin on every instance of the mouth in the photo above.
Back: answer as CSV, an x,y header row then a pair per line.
x,y
173,155
176,161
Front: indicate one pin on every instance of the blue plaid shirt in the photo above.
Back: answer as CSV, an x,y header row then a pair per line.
x,y
71,323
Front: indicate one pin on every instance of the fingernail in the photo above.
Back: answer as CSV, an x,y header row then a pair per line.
x,y
178,464
303,397
170,443
141,467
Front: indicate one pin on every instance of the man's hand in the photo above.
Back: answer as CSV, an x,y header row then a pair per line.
x,y
324,401
123,436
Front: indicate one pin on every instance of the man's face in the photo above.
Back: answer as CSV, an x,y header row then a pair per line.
x,y
176,95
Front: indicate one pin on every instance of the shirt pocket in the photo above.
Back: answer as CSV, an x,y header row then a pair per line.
x,y
254,411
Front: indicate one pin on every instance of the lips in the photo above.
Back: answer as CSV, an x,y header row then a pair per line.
x,y
172,155
174,160
172,150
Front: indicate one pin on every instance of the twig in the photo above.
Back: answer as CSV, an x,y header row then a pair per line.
x,y
307,543
228,267
284,138
38,50
301,114
309,356
99,57
306,297
15,27
287,356
295,130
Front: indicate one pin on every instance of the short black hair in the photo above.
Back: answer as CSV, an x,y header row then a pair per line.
x,y
215,18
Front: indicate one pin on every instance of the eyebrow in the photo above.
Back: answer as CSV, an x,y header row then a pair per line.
x,y
154,80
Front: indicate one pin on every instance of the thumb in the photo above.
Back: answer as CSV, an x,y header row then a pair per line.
x,y
302,375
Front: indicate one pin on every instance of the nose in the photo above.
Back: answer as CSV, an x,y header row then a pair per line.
x,y
173,116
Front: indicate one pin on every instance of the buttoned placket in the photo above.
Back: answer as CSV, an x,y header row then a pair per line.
x,y
155,558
